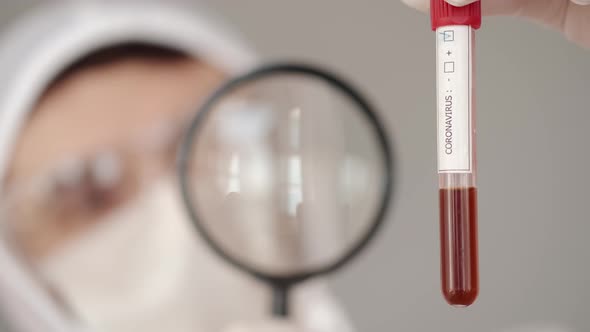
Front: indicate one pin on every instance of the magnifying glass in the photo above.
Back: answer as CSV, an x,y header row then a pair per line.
x,y
287,173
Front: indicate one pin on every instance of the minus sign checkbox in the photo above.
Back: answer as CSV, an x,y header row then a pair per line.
x,y
449,67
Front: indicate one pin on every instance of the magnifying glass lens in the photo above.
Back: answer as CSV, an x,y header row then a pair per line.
x,y
285,174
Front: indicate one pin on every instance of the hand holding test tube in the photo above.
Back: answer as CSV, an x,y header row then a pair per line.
x,y
456,120
571,17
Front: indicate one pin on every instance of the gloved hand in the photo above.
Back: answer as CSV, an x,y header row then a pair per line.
x,y
572,17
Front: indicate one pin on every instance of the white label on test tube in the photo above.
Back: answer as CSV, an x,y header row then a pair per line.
x,y
453,52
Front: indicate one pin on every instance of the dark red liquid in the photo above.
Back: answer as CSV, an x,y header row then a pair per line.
x,y
458,239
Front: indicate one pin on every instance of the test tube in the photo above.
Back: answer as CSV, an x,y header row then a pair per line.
x,y
457,163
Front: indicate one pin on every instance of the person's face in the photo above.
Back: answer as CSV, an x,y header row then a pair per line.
x,y
93,141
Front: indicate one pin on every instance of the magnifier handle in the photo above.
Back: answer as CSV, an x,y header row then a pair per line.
x,y
280,301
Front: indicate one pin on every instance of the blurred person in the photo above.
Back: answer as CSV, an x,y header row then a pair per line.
x,y
93,102
571,17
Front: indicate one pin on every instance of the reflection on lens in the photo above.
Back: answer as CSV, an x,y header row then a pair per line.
x,y
286,174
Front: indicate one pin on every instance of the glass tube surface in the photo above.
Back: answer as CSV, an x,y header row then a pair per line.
x,y
457,164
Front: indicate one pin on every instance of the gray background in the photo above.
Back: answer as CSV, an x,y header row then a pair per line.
x,y
533,99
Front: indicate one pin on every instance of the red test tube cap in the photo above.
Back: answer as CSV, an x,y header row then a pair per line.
x,y
444,14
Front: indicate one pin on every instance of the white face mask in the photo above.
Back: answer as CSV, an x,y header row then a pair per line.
x,y
144,268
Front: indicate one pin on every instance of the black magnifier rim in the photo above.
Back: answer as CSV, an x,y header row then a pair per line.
x,y
185,155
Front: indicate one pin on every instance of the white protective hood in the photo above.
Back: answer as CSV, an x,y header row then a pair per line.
x,y
33,52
